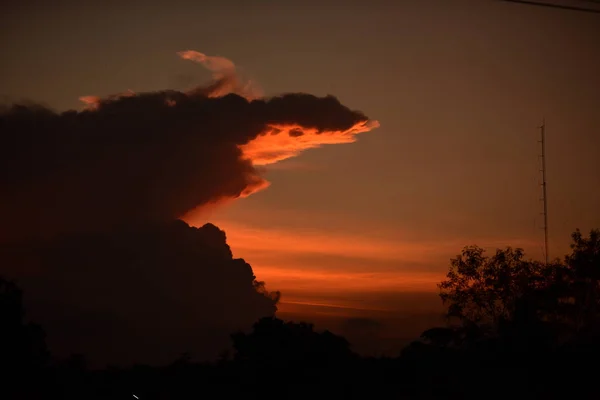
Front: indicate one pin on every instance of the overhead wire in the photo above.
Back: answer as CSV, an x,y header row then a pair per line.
x,y
558,6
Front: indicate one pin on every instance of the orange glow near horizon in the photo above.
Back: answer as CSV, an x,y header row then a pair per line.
x,y
282,278
276,256
312,266
244,238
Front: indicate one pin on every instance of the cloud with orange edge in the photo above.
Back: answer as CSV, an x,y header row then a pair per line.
x,y
148,157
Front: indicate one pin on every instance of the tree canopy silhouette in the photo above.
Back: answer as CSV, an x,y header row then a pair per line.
x,y
23,351
484,290
273,341
506,296
22,343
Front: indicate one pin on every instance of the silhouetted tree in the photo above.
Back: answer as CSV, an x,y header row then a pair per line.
x,y
273,341
22,346
441,336
484,290
571,299
583,265
522,304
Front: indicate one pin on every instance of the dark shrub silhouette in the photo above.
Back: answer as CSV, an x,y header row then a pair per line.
x,y
23,352
517,329
273,341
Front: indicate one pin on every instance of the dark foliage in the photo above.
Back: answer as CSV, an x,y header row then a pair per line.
x,y
516,329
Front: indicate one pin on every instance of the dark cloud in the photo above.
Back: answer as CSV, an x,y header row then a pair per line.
x,y
147,157
145,295
89,203
296,132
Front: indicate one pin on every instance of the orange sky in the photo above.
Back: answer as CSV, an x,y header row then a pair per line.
x,y
458,87
309,265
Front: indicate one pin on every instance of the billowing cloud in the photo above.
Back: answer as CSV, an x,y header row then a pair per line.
x,y
279,141
138,295
152,157
90,201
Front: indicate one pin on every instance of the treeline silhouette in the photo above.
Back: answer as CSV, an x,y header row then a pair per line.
x,y
515,328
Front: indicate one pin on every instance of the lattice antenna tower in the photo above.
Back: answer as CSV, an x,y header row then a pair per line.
x,y
544,193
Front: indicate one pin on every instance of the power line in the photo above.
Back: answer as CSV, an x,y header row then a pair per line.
x,y
559,6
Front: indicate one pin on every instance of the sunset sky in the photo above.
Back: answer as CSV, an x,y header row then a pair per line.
x,y
459,88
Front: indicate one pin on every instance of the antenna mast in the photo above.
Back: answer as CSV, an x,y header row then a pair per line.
x,y
544,196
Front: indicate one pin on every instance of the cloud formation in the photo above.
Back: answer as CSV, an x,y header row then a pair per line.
x,y
152,157
90,201
139,295
225,75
